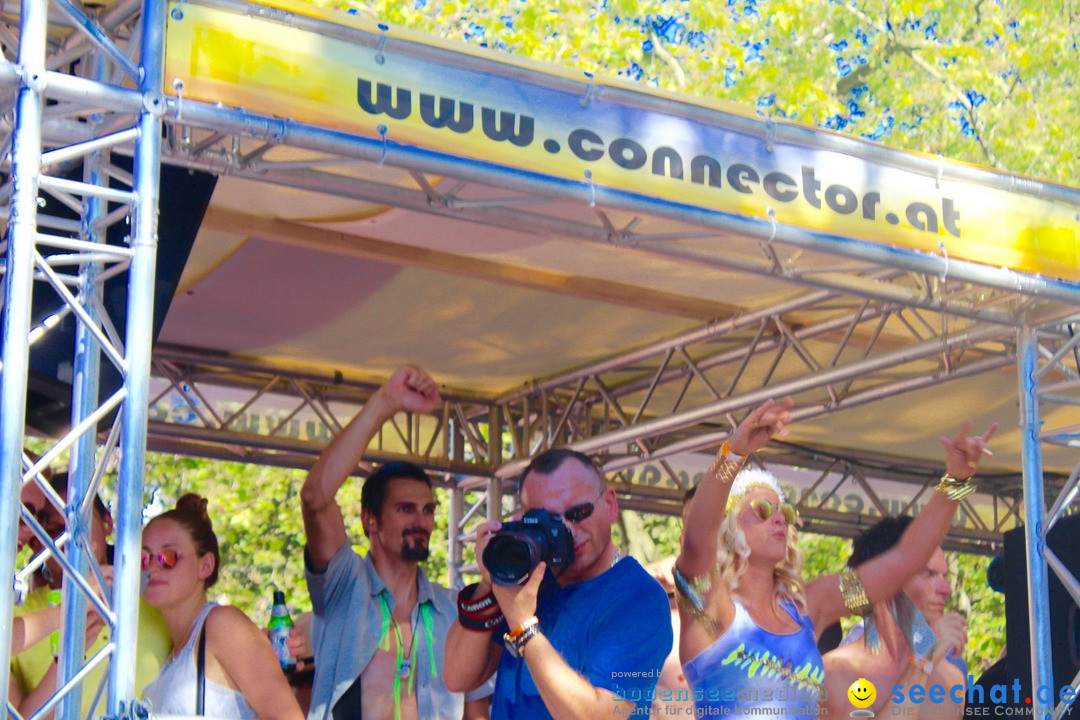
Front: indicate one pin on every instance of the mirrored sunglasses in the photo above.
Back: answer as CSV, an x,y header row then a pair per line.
x,y
167,558
580,513
764,510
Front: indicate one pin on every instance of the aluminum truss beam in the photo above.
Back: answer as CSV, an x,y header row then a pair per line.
x,y
280,417
71,260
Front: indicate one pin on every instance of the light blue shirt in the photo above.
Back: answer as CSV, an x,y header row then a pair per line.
x,y
347,626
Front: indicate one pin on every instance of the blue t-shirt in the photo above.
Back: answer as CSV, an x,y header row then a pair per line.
x,y
614,629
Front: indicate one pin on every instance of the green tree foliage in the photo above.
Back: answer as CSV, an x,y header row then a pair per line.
x,y
983,607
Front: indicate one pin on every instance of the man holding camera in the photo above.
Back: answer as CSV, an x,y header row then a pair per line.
x,y
583,639
379,623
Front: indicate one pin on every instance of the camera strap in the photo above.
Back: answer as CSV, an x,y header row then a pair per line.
x,y
403,666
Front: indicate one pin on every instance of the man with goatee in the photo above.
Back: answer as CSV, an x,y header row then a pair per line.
x,y
379,624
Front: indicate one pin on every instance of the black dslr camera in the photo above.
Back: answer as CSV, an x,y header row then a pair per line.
x,y
519,546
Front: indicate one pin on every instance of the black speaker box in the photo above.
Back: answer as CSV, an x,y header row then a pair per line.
x,y
1064,541
184,198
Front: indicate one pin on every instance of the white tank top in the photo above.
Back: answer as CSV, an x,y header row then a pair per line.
x,y
172,692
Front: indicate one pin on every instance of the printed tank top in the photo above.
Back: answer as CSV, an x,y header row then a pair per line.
x,y
748,667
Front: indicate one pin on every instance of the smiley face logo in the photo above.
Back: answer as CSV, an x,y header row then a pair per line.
x,y
862,693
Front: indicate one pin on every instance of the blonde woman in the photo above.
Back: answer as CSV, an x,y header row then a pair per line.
x,y
748,640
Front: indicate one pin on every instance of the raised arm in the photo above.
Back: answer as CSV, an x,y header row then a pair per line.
x,y
885,575
246,657
701,531
410,389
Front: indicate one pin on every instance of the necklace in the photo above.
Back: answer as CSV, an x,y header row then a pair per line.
x,y
618,556
404,657
405,662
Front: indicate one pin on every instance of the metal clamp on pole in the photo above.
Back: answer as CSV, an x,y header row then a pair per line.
x,y
382,129
379,57
590,90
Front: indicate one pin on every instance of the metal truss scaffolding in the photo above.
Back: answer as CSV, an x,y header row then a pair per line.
x,y
72,259
87,83
1049,370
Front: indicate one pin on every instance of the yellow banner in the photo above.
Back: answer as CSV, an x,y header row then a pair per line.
x,y
339,71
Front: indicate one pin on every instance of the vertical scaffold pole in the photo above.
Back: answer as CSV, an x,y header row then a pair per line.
x,y
1035,514
140,311
453,528
84,400
18,282
494,492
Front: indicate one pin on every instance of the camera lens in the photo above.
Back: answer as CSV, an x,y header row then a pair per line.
x,y
510,558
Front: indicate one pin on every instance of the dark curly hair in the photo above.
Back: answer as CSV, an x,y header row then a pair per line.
x,y
878,538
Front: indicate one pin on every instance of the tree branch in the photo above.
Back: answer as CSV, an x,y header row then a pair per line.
x,y
929,69
668,59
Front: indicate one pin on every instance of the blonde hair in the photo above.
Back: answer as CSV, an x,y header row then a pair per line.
x,y
733,557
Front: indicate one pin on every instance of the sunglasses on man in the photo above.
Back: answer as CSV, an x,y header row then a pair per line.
x,y
580,513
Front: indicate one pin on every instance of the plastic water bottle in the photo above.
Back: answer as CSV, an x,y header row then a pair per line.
x,y
280,627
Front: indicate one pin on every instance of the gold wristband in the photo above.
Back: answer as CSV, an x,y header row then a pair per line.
x,y
723,468
954,489
854,594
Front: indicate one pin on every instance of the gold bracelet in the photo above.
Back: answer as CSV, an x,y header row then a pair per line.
x,y
854,594
955,489
724,469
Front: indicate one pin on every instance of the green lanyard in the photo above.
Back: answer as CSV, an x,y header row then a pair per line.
x,y
384,643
